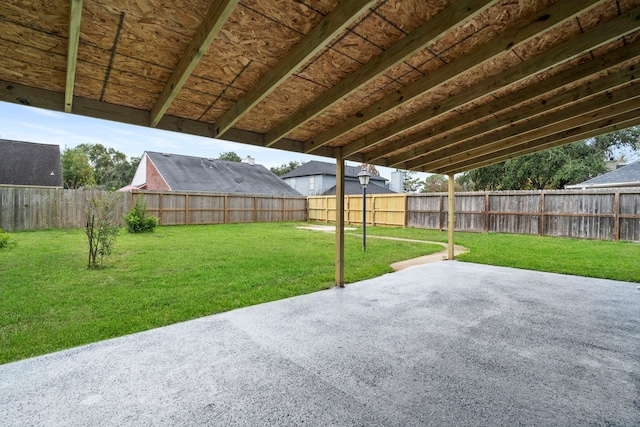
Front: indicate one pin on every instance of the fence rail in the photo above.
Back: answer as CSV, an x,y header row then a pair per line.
x,y
28,208
593,214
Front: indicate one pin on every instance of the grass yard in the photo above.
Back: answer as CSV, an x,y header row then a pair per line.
x,y
591,258
50,301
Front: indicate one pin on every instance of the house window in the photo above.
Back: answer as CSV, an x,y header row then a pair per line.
x,y
292,183
312,184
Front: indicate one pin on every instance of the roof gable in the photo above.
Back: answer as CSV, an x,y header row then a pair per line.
x,y
188,173
27,163
314,168
354,187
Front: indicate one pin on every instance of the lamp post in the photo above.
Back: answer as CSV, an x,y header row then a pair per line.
x,y
364,177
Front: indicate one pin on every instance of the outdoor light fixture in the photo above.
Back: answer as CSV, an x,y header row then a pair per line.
x,y
364,177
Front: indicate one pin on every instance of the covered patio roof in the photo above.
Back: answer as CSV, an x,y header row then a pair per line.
x,y
441,86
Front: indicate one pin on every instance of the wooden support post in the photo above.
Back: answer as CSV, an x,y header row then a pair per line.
x,y
451,221
339,218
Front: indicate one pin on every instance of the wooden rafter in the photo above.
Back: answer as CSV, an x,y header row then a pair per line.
x,y
75,17
330,27
626,53
589,130
553,122
212,23
573,48
450,17
542,21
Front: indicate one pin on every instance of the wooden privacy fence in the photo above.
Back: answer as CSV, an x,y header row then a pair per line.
x,y
382,209
205,208
28,208
590,214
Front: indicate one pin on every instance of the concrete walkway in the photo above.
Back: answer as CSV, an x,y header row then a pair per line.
x,y
401,265
446,343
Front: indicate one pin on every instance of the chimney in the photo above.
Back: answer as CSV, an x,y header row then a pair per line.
x,y
397,182
249,160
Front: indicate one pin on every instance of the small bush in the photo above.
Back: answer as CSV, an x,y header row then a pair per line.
x,y
101,230
5,239
137,219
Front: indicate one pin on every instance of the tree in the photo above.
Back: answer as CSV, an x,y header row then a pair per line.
x,y
370,168
229,156
435,184
111,168
556,167
76,170
286,168
101,228
410,183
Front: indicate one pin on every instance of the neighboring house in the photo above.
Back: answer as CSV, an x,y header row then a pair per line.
x,y
315,178
627,176
174,172
30,164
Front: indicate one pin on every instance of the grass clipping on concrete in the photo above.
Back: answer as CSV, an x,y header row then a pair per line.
x,y
50,301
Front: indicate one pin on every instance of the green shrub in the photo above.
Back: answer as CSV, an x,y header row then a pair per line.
x,y
137,219
100,229
5,239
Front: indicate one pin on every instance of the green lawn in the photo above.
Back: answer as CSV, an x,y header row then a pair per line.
x,y
49,300
591,258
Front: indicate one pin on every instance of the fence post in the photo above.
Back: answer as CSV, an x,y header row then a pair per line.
x,y
441,213
616,213
186,209
160,207
486,212
542,208
255,209
225,214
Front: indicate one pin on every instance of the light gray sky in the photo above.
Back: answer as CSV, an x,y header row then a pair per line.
x,y
31,124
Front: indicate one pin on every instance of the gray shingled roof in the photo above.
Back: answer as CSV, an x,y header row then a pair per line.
x,y
314,167
354,187
28,163
198,174
629,174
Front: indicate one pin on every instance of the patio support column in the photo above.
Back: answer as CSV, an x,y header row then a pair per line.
x,y
339,218
450,218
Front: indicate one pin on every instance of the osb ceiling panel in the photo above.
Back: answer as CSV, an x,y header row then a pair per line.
x,y
440,86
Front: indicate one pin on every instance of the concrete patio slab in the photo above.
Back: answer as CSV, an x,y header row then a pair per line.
x,y
447,343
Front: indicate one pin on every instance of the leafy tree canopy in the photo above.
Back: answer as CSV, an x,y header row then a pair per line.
x,y
110,168
285,168
229,156
76,170
556,167
410,183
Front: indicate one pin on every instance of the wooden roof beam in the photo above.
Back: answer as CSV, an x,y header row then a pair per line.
x,y
75,17
435,149
343,15
578,133
454,15
575,115
216,16
626,53
540,22
605,33
42,98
